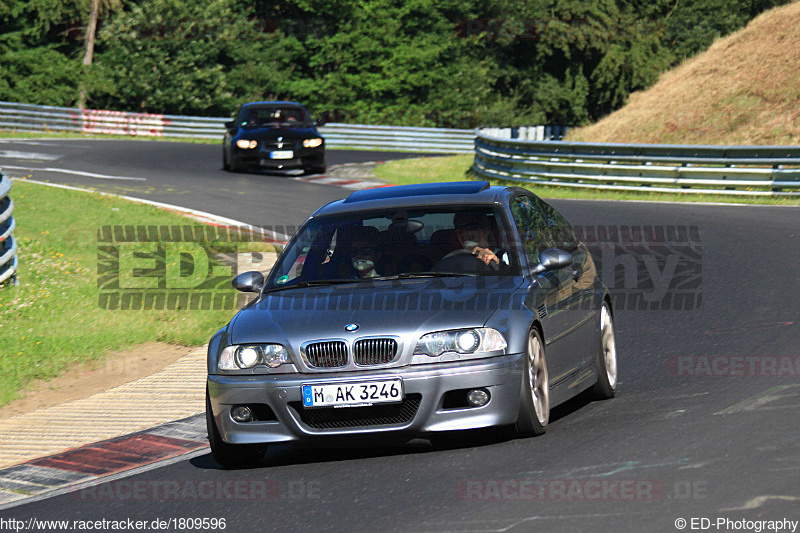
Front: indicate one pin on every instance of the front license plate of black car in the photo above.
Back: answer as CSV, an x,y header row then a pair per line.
x,y
281,154
353,394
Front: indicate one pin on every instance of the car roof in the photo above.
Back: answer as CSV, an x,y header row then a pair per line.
x,y
447,193
274,103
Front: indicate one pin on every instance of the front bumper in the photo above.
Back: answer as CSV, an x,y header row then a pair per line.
x,y
302,158
423,411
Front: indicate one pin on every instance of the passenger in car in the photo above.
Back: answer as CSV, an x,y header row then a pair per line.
x,y
361,247
364,258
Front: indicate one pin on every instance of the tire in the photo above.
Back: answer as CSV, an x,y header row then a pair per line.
x,y
606,385
235,166
230,455
225,164
534,400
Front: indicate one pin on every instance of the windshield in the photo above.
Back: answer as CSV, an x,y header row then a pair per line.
x,y
418,242
273,116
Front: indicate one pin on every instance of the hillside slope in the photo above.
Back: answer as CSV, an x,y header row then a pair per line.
x,y
745,89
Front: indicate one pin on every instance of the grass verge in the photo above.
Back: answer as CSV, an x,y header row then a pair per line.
x,y
455,168
52,319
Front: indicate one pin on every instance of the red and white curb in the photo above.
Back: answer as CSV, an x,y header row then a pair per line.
x,y
91,463
354,176
345,183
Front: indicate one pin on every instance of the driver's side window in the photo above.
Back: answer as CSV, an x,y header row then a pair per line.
x,y
532,227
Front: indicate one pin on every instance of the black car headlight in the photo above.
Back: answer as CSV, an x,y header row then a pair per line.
x,y
240,357
462,341
312,143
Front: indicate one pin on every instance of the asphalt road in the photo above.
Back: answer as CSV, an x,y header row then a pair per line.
x,y
184,174
704,426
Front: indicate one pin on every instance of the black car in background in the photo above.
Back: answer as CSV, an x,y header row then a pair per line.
x,y
273,136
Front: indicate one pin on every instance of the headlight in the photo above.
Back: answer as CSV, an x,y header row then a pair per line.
x,y
246,144
463,341
312,143
249,356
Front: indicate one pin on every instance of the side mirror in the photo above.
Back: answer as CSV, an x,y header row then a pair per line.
x,y
248,282
231,125
552,259
319,122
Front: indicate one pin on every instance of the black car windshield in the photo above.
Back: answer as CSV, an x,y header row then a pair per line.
x,y
273,116
397,244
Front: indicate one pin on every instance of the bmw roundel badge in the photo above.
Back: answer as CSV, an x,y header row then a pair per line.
x,y
351,327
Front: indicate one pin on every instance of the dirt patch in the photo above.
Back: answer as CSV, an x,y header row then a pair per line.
x,y
743,90
85,380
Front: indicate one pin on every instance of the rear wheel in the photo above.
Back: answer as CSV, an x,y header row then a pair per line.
x,y
534,401
230,455
606,384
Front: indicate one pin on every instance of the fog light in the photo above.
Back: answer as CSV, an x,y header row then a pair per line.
x,y
478,397
242,413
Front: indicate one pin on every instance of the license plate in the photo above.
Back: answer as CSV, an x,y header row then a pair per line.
x,y
353,394
282,154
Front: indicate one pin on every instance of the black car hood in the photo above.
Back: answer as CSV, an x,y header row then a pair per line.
x,y
407,307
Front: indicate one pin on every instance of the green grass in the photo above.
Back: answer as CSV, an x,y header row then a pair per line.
x,y
455,168
51,320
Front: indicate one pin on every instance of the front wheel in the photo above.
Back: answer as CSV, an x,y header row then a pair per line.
x,y
534,401
606,385
225,164
235,166
230,455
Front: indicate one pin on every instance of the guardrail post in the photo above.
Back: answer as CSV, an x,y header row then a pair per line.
x,y
8,247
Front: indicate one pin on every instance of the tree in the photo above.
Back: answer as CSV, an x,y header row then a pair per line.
x,y
95,7
35,52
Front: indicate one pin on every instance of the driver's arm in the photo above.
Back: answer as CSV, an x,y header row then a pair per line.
x,y
485,254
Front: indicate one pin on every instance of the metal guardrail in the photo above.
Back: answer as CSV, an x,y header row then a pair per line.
x,y
37,118
528,133
8,246
728,170
398,138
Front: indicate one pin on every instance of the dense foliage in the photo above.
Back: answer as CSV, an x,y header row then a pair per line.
x,y
456,63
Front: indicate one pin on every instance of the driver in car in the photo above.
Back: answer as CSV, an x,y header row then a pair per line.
x,y
472,231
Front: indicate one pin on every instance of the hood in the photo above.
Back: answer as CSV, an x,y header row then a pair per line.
x,y
401,308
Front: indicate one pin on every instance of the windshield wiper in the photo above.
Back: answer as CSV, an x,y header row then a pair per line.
x,y
314,283
422,275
